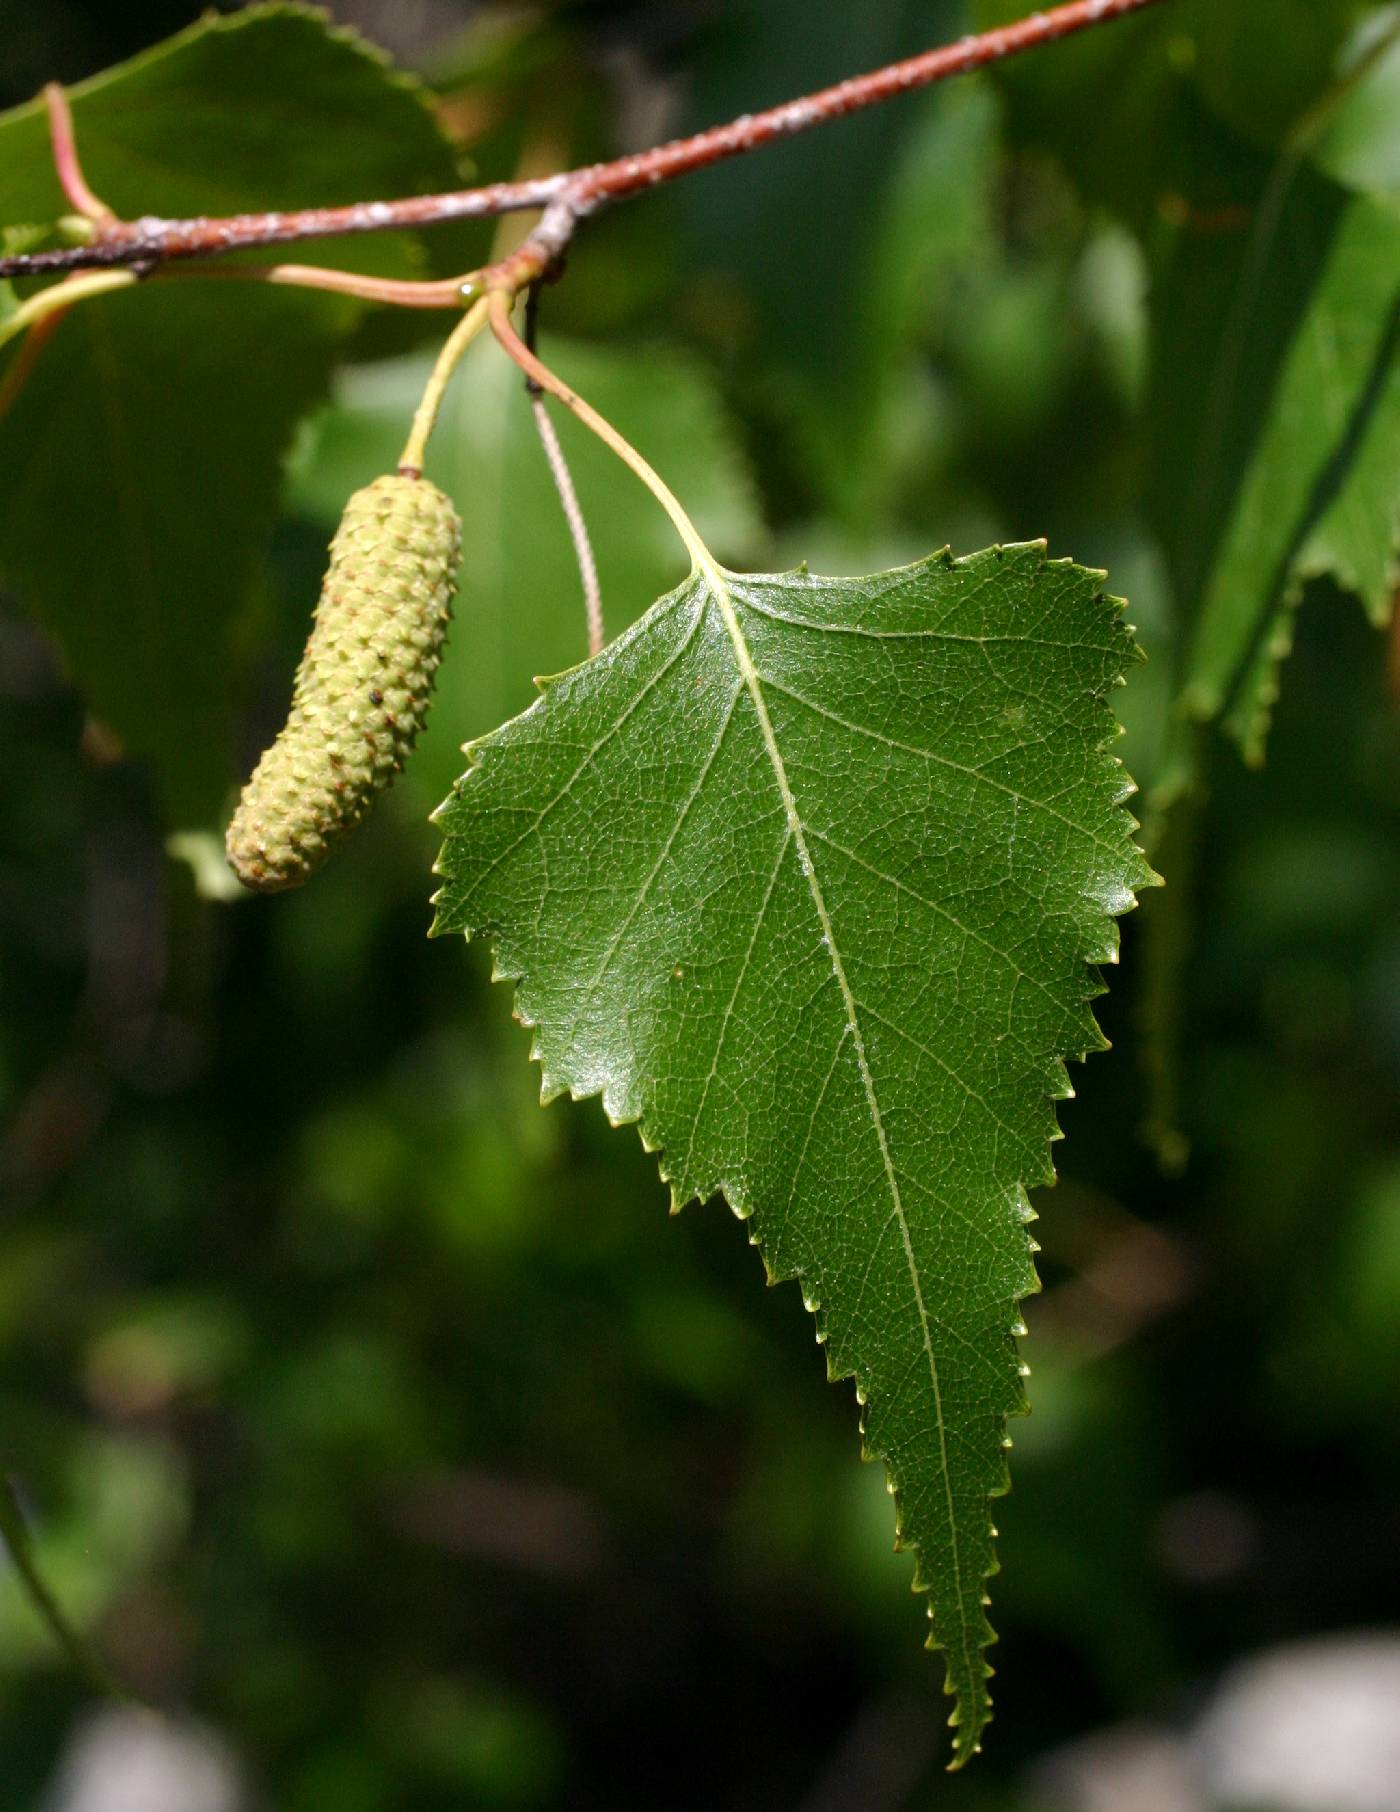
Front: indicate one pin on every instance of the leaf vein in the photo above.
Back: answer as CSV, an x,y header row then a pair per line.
x,y
862,632
942,761
943,912
739,978
755,683
591,986
595,750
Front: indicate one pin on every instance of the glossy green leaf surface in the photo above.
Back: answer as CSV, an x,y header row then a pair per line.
x,y
807,878
143,455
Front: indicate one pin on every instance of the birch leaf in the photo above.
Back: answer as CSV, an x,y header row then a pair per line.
x,y
807,877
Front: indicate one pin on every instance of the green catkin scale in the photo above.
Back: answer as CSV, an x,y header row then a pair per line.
x,y
363,686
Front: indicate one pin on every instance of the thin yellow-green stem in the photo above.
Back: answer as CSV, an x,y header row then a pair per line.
x,y
426,414
501,326
397,292
63,295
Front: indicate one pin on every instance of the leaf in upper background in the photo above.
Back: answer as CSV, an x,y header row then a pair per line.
x,y
806,876
934,226
1263,95
520,609
1146,114
1119,111
1359,143
142,460
1293,469
789,289
1273,411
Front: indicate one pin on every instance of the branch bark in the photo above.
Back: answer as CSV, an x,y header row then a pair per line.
x,y
569,195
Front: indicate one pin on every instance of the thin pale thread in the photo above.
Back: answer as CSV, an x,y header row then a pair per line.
x,y
578,528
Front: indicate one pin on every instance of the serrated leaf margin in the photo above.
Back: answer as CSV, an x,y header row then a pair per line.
x,y
1104,950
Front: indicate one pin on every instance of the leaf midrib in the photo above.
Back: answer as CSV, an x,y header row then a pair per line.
x,y
718,583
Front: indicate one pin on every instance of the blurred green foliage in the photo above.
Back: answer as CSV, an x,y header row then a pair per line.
x,y
265,109
385,1420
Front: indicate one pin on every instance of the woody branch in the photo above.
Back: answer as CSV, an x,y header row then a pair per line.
x,y
567,197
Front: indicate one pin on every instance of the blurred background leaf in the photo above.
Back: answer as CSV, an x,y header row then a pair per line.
x,y
143,454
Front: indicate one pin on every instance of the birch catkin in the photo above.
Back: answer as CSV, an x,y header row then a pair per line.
x,y
362,689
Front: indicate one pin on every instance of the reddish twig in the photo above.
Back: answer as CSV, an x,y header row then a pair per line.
x,y
573,193
67,164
